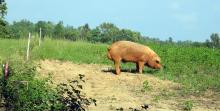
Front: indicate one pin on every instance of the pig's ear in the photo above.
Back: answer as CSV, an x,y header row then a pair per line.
x,y
149,56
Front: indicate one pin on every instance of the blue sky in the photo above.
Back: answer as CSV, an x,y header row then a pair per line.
x,y
180,19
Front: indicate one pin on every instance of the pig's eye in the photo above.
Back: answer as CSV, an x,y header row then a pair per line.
x,y
157,61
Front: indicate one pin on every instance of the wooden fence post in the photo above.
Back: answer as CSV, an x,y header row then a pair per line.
x,y
40,38
28,47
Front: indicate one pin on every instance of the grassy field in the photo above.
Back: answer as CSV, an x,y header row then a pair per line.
x,y
198,69
80,52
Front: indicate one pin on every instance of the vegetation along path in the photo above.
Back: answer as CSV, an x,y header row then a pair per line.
x,y
128,90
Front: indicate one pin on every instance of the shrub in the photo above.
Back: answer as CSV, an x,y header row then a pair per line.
x,y
22,92
71,98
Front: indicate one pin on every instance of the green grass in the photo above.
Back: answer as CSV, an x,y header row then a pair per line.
x,y
79,52
198,69
10,48
188,105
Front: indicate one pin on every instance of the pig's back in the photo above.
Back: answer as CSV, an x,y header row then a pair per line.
x,y
128,48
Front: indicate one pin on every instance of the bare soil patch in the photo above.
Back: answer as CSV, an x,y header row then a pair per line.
x,y
125,90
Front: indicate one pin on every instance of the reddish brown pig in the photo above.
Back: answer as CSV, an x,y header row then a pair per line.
x,y
127,51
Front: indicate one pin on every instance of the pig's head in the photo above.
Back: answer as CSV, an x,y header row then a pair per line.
x,y
154,61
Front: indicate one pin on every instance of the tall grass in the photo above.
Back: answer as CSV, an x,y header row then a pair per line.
x,y
10,48
198,69
79,52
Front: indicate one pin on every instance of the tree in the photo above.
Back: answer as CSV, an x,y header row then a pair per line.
x,y
2,1
46,28
4,33
198,44
71,33
215,40
49,29
3,8
84,31
21,29
96,35
108,31
41,25
59,31
125,34
208,43
170,40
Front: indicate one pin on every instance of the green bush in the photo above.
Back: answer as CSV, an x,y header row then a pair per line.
x,y
22,92
71,98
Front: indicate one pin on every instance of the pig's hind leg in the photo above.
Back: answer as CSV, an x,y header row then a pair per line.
x,y
117,66
137,67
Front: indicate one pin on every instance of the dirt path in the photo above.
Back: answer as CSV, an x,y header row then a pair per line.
x,y
125,90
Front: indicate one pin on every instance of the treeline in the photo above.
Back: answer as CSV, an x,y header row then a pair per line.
x,y
212,42
106,32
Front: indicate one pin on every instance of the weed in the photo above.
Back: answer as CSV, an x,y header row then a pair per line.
x,y
146,86
71,97
157,98
188,105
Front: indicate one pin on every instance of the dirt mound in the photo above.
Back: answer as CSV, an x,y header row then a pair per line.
x,y
112,91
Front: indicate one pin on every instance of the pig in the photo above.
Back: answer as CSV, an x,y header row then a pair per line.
x,y
127,51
